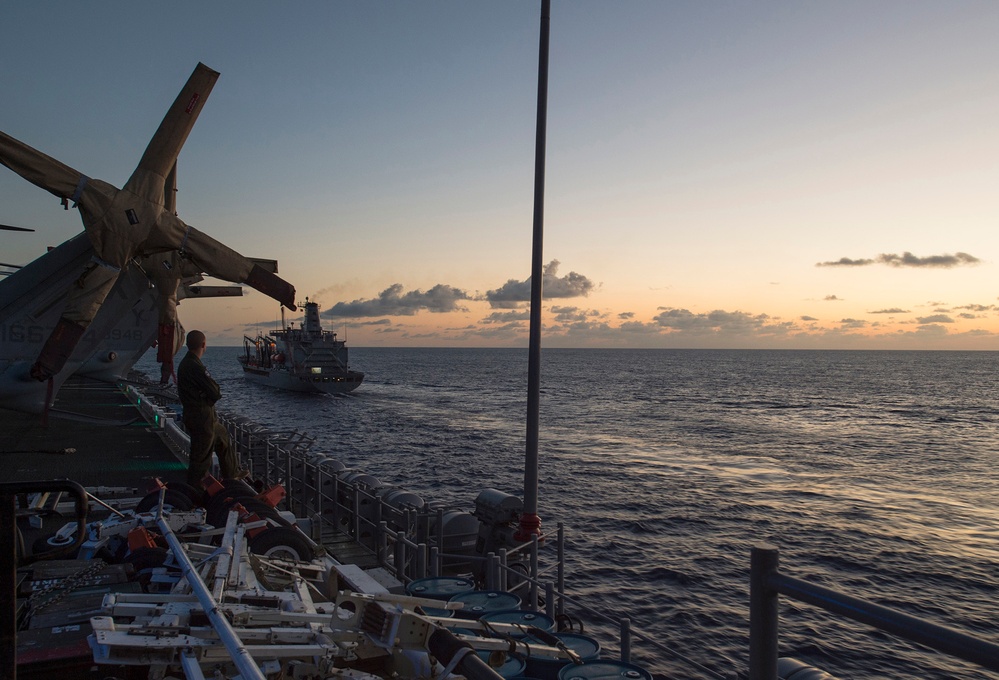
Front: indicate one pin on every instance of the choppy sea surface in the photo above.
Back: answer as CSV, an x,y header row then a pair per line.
x,y
872,472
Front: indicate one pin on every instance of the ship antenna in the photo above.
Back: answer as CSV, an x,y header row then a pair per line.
x,y
530,523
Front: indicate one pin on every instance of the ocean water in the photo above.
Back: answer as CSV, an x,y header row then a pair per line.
x,y
872,472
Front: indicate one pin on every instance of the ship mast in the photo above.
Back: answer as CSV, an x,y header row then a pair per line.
x,y
530,523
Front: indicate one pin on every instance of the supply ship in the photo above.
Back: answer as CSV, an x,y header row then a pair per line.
x,y
305,359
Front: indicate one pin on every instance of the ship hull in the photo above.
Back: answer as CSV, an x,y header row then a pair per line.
x,y
286,380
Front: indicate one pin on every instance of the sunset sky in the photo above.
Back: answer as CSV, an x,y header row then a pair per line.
x,y
720,174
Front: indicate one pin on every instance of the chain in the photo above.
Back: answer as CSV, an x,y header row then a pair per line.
x,y
63,587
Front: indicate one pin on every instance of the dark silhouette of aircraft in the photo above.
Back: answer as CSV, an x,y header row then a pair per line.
x,y
128,224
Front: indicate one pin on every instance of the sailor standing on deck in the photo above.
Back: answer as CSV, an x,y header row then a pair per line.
x,y
198,393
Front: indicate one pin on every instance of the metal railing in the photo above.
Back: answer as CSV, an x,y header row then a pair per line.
x,y
767,583
407,539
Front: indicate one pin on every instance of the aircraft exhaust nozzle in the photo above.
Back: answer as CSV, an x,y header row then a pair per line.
x,y
271,285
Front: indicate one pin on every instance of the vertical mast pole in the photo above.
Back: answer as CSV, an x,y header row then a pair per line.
x,y
530,523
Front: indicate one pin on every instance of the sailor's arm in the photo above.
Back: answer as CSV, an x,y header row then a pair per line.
x,y
203,383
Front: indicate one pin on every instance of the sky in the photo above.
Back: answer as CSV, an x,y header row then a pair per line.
x,y
719,174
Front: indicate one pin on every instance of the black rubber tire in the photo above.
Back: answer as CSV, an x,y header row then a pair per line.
x,y
282,542
218,506
263,510
218,510
172,500
239,489
146,558
239,485
197,496
219,513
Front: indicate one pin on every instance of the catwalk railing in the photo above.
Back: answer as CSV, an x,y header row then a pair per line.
x,y
767,584
403,532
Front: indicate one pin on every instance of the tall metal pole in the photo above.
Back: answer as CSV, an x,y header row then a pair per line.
x,y
530,523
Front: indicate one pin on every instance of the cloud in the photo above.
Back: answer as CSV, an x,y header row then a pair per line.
x,y
717,321
570,326
853,323
495,330
944,261
978,308
626,315
932,330
513,292
845,262
572,314
508,317
394,302
832,298
638,328
893,310
907,259
936,318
